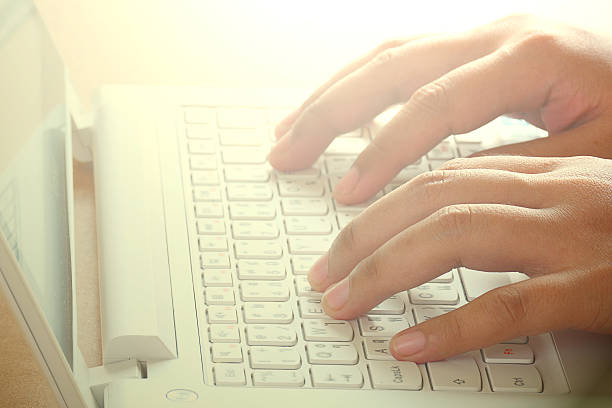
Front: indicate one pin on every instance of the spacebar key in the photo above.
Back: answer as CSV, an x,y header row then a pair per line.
x,y
309,245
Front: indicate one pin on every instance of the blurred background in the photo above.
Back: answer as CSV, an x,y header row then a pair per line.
x,y
266,43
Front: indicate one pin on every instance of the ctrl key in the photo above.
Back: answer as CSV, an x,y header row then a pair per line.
x,y
395,375
514,378
229,374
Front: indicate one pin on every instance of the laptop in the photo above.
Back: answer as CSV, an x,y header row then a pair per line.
x,y
204,250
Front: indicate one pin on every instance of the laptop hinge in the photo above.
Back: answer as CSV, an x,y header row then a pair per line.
x,y
100,377
137,312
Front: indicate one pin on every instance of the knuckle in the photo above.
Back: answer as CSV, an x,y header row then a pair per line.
x,y
509,305
539,42
388,44
432,184
455,219
433,99
385,56
456,164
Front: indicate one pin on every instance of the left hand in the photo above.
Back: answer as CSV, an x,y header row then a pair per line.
x,y
547,217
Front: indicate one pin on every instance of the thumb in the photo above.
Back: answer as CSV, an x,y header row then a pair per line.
x,y
520,309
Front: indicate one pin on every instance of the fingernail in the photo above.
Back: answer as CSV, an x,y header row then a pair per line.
x,y
408,344
348,182
319,271
338,295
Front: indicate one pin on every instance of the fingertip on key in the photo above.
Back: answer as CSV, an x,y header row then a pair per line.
x,y
319,272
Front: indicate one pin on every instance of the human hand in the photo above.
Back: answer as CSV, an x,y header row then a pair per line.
x,y
555,76
546,217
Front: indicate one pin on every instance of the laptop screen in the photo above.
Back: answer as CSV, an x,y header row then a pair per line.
x,y
34,128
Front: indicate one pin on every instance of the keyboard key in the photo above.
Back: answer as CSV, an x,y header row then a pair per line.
x,y
389,188
444,278
201,131
212,243
346,147
277,378
332,353
204,178
305,174
267,312
356,207
264,291
259,174
211,227
229,374
221,314
311,309
252,211
214,260
424,313
200,115
217,277
304,206
201,147
243,155
242,137
203,162
261,270
443,151
391,306
219,296
254,229
258,249
339,164
408,173
455,374
226,353
377,349
303,288
395,375
336,376
249,192
344,218
307,226
224,333
209,193
302,263
508,353
327,330
477,283
517,340
301,188
209,210
514,378
275,358
270,335
241,118
382,326
309,245
434,294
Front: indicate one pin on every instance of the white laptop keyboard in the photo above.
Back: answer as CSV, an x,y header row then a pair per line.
x,y
254,234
